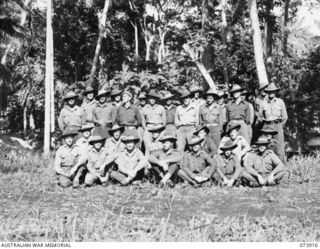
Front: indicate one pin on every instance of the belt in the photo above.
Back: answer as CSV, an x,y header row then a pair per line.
x,y
187,125
237,119
212,125
108,124
153,124
277,121
130,127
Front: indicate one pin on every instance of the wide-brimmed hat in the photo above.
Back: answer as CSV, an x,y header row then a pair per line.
x,y
153,94
102,93
194,140
262,141
269,130
142,95
222,94
115,92
232,126
235,88
69,133
70,95
156,128
200,128
185,94
130,136
115,128
96,138
271,88
89,89
228,145
127,93
86,127
168,96
194,89
167,137
262,87
212,92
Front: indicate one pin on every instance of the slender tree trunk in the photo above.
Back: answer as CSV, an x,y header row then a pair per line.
x,y
161,55
136,38
5,55
257,42
25,110
269,28
99,42
224,41
148,46
284,28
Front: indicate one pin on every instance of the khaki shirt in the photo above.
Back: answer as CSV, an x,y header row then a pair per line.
x,y
172,156
211,115
114,146
228,166
274,110
96,159
154,114
104,113
67,157
238,111
83,145
170,114
71,117
242,146
129,161
88,108
187,115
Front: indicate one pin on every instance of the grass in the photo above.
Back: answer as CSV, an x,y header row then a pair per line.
x,y
34,208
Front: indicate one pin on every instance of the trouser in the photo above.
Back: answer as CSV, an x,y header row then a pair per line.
x,y
75,179
184,134
207,172
250,180
217,177
90,179
171,129
103,131
250,133
120,177
279,138
243,129
172,169
215,134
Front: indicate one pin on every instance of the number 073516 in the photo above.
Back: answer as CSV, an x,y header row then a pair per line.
x,y
308,245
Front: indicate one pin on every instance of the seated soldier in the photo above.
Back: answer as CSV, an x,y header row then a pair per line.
x,y
83,142
129,162
242,145
114,143
98,159
155,144
263,167
207,144
69,161
197,166
229,168
166,161
269,133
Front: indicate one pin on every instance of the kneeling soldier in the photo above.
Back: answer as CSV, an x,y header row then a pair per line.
x,y
197,166
263,167
155,144
83,142
229,168
166,161
114,144
130,161
69,161
207,145
269,133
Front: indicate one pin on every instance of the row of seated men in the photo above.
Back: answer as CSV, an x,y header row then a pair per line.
x,y
213,109
93,159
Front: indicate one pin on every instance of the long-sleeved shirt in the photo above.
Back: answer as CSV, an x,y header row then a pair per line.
x,y
228,167
196,163
87,107
67,157
128,116
71,117
172,156
211,115
96,159
104,113
83,145
170,114
274,109
186,115
238,111
265,163
114,146
242,146
155,114
209,146
128,162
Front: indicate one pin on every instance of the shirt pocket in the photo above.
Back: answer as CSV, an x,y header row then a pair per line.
x,y
276,111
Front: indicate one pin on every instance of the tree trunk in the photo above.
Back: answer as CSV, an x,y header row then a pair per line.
x,y
148,46
284,28
49,78
99,42
224,41
161,46
136,38
269,28
257,42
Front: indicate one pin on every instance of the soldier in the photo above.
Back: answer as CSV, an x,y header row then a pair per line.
x,y
116,97
88,103
248,97
98,159
83,142
114,143
197,167
238,111
243,146
221,101
207,145
166,161
142,107
196,92
263,167
155,144
131,161
104,114
154,115
128,115
229,168
170,109
269,133
211,115
71,115
274,115
261,97
186,120
69,161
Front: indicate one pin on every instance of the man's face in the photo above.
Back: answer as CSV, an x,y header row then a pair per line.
x,y
202,134
262,148
102,99
117,98
227,153
169,102
152,101
97,145
186,101
196,148
167,145
130,145
90,96
210,99
236,95
71,102
69,140
86,134
196,95
125,98
117,134
233,134
272,95
142,102
155,135
220,101
263,93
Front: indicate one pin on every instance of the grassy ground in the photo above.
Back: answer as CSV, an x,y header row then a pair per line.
x,y
34,208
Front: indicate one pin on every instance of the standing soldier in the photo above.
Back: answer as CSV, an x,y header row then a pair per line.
x,y
274,115
186,120
114,143
154,115
71,115
142,107
238,111
69,161
222,102
229,168
263,167
104,114
170,113
211,115
197,167
116,97
248,98
88,104
83,142
262,96
196,92
207,145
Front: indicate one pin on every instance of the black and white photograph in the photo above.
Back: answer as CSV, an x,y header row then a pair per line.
x,y
159,121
